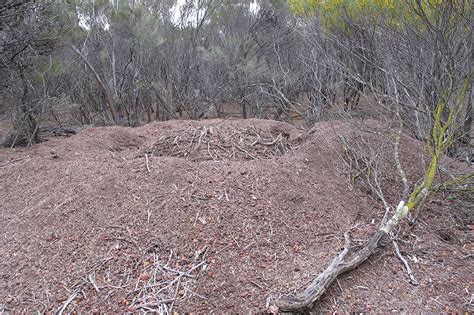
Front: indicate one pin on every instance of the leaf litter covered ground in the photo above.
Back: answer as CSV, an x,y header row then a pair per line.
x,y
216,216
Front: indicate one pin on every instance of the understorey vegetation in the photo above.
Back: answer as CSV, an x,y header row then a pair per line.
x,y
118,62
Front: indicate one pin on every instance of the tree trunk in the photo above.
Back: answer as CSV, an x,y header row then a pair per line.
x,y
466,138
103,87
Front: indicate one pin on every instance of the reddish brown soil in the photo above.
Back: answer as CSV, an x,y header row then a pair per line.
x,y
102,202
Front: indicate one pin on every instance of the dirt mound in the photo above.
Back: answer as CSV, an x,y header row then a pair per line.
x,y
117,219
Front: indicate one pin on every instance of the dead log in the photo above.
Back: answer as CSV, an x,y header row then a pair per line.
x,y
344,262
61,130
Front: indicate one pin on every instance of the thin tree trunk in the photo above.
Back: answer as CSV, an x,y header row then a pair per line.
x,y
164,105
114,70
103,87
466,138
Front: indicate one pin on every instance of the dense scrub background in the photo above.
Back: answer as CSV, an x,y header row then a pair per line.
x,y
130,62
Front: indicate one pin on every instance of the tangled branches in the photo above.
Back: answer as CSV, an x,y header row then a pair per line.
x,y
163,283
156,282
222,142
365,163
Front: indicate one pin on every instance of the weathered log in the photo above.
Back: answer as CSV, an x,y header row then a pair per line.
x,y
344,262
59,130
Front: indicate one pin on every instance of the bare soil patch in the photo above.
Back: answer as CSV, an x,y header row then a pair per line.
x,y
117,219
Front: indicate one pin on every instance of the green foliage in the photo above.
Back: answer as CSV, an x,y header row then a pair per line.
x,y
49,68
120,14
279,3
66,12
396,12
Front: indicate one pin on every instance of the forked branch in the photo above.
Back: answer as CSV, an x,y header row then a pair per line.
x,y
344,262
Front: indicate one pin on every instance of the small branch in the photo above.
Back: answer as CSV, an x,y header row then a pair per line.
x,y
92,281
69,300
147,166
405,262
396,153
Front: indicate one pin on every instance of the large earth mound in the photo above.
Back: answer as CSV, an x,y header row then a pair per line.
x,y
215,216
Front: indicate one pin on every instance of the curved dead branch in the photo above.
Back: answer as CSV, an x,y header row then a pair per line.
x,y
344,262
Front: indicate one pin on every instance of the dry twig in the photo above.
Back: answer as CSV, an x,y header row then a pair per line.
x,y
161,286
405,262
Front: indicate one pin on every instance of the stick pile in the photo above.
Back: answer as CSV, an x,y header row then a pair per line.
x,y
222,142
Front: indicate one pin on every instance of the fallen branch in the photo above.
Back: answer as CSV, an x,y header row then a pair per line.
x,y
80,285
25,159
69,300
147,164
404,261
344,262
